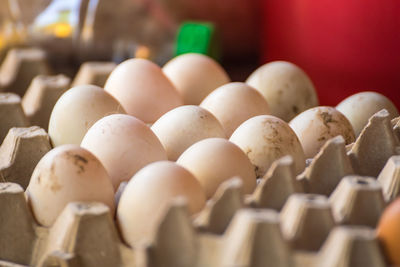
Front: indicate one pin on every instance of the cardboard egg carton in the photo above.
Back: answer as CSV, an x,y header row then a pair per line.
x,y
323,217
95,73
22,65
19,67
28,92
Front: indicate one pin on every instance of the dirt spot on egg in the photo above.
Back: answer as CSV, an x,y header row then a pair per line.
x,y
78,161
327,118
258,171
248,151
52,182
55,186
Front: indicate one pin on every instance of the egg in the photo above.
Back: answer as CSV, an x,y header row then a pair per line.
x,y
287,88
359,107
195,76
266,138
124,145
77,110
317,125
183,126
147,195
234,103
143,89
215,160
389,232
66,174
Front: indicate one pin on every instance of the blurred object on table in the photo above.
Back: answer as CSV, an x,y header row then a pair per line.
x,y
74,31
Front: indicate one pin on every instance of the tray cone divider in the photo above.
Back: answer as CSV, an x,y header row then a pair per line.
x,y
95,73
17,233
351,246
20,66
375,145
306,221
254,239
11,114
276,186
220,209
327,168
357,201
85,230
175,243
41,96
389,178
20,152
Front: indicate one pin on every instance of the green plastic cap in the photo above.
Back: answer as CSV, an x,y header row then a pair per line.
x,y
197,37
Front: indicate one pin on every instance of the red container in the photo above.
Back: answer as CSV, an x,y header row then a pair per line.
x,y
346,46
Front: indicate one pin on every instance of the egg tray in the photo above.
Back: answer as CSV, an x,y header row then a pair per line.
x,y
326,216
318,218
22,65
28,90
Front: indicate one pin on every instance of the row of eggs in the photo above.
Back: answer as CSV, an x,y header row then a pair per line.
x,y
182,130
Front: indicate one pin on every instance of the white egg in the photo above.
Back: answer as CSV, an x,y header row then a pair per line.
x,y
359,107
317,125
183,126
67,174
287,88
234,103
266,138
147,196
215,160
124,145
77,110
143,89
195,76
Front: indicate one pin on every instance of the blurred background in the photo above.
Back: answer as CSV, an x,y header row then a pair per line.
x,y
345,46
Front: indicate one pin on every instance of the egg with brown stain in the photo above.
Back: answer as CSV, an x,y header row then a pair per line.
x,y
317,125
266,138
66,174
286,87
358,108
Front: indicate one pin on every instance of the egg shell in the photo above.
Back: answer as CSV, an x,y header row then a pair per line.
x,y
359,107
234,103
65,174
183,126
287,88
143,89
266,138
215,160
124,145
77,110
147,195
389,232
317,125
195,76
